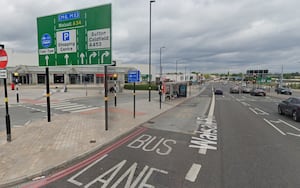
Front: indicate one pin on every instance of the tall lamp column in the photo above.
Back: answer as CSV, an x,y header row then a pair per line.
x,y
149,83
160,75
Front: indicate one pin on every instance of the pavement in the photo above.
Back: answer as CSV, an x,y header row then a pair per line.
x,y
39,148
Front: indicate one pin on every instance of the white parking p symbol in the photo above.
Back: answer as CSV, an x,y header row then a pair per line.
x,y
66,36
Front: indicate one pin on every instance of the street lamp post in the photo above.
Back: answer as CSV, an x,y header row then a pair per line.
x,y
176,70
160,67
149,83
160,75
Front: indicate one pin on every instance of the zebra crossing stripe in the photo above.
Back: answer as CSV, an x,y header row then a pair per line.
x,y
83,110
73,108
69,106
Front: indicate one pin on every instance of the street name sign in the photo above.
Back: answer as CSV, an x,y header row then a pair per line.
x,y
134,76
78,37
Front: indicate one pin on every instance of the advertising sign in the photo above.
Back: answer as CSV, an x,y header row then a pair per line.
x,y
79,37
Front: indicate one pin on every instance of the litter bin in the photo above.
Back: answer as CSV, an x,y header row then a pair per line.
x,y
12,86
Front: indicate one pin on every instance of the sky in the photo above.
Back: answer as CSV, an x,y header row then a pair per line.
x,y
208,36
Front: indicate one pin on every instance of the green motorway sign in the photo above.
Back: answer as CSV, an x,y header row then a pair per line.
x,y
79,37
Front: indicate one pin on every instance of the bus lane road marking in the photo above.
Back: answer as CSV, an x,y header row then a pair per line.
x,y
206,139
207,131
163,147
97,157
193,172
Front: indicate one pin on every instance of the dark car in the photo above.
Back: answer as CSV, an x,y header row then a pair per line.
x,y
218,92
283,90
235,89
258,92
290,107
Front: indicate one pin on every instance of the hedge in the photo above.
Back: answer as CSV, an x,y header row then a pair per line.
x,y
140,87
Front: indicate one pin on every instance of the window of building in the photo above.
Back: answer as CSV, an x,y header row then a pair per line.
x,y
59,78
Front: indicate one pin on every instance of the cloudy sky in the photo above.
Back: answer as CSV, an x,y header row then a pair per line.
x,y
201,35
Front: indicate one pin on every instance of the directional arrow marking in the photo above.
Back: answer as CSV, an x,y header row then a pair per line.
x,y
82,58
94,54
67,59
106,54
47,60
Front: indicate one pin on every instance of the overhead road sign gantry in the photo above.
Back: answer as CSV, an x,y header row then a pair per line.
x,y
79,37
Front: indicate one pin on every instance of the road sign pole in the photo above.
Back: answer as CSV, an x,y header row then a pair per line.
x,y
105,98
48,94
115,90
8,128
3,64
133,99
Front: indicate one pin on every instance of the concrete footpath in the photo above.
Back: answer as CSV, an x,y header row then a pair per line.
x,y
40,147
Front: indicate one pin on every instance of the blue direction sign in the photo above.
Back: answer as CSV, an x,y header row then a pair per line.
x,y
134,76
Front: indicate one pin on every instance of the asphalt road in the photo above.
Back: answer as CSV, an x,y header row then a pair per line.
x,y
256,149
234,140
23,113
157,154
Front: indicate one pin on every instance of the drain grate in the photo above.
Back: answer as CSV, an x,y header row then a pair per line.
x,y
151,122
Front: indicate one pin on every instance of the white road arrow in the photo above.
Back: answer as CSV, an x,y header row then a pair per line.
x,y
106,53
67,58
47,60
82,58
94,54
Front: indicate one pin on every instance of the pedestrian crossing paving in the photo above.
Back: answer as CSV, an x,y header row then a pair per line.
x,y
67,106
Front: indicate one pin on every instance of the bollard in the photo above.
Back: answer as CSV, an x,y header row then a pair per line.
x,y
17,93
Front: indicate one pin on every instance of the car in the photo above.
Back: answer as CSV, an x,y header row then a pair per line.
x,y
290,107
246,90
218,91
283,90
258,92
235,89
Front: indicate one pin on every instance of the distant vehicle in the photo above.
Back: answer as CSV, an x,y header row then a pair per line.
x,y
283,90
246,90
235,89
258,92
218,91
290,107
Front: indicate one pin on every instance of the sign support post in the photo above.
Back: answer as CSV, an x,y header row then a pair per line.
x,y
105,98
3,63
7,118
48,94
133,99
134,76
